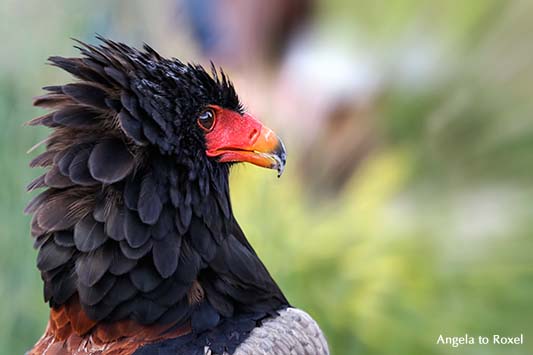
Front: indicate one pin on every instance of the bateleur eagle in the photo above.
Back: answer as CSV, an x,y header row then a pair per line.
x,y
137,244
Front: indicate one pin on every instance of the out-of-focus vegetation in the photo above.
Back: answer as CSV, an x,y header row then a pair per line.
x,y
431,233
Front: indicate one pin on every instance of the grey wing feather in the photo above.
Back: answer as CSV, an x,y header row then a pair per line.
x,y
293,332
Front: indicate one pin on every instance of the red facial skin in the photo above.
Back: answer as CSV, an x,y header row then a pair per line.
x,y
242,138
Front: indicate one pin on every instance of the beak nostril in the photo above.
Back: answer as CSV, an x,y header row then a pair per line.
x,y
253,135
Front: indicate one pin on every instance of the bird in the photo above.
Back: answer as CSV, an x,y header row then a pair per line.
x,y
137,244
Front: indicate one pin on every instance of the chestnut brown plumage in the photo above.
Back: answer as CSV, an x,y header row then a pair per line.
x,y
136,238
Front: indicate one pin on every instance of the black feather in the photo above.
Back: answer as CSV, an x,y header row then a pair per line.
x,y
50,274
204,317
89,234
86,94
145,277
164,225
137,233
201,239
54,178
151,132
121,291
158,118
131,127
166,254
43,160
36,230
149,205
76,67
40,240
102,311
189,264
63,163
45,120
52,255
247,297
121,264
183,218
60,154
114,225
175,196
179,312
243,263
110,161
71,65
76,116
92,295
118,76
220,302
64,238
95,72
168,292
36,183
52,100
64,286
99,211
54,213
58,89
113,104
37,201
145,311
135,253
79,170
132,190
90,267
130,103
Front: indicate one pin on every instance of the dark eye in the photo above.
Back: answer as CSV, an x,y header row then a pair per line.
x,y
206,119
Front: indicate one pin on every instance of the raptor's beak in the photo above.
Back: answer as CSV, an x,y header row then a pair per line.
x,y
242,138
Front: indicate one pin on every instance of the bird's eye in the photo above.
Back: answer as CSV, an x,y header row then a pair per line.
x,y
206,119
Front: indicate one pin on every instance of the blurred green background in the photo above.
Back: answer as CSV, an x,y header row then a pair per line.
x,y
405,211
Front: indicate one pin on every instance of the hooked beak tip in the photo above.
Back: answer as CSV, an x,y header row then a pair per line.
x,y
280,156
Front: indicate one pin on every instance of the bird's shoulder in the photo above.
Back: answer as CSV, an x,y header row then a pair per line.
x,y
287,331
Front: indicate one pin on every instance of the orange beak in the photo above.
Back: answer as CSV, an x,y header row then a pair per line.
x,y
242,138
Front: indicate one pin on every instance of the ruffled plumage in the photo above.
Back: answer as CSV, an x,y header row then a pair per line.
x,y
134,214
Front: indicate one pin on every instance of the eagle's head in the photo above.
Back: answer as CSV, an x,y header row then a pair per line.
x,y
136,222
187,113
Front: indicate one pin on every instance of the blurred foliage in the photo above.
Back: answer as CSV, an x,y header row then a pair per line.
x,y
431,236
